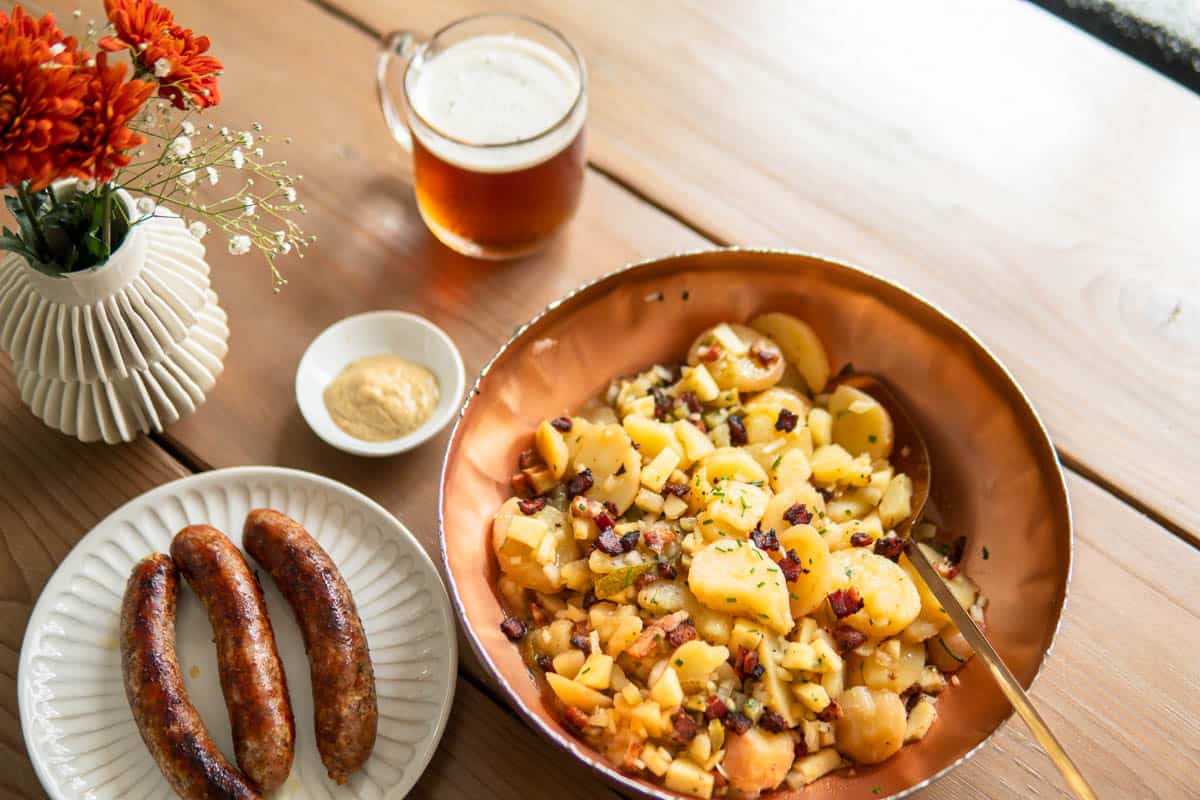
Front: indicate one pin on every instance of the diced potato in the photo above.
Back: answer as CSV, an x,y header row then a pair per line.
x,y
655,474
657,760
746,635
854,504
651,436
896,505
687,777
694,663
932,681
880,671
758,760
791,469
820,422
516,558
666,691
576,694
713,626
527,530
860,423
735,577
801,657
773,684
871,728
626,632
808,591
569,662
890,598
920,720
674,507
662,597
649,715
576,575
700,749
649,501
817,765
695,444
552,448
834,683
799,344
830,464
596,672
552,639
828,659
808,627
732,464
697,379
812,695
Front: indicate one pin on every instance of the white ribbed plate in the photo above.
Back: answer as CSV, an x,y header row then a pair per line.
x,y
78,728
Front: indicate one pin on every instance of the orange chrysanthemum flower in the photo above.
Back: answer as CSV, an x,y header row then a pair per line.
x,y
108,105
40,97
171,53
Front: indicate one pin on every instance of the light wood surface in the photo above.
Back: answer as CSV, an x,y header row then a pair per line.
x,y
1008,190
1035,183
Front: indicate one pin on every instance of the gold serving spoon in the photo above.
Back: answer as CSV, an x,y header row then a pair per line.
x,y
911,456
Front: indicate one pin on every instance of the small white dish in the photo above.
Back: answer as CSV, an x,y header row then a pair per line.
x,y
374,333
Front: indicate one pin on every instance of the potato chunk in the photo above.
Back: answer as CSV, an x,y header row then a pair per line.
x,y
890,599
860,423
758,760
738,357
735,577
808,591
536,566
800,346
615,466
872,725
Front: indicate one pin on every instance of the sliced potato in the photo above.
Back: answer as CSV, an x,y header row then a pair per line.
x,y
728,353
871,728
808,591
552,448
890,598
735,577
962,587
758,760
785,498
778,397
607,451
652,437
799,344
860,423
738,506
883,671
732,464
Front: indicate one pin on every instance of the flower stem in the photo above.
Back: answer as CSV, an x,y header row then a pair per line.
x,y
108,218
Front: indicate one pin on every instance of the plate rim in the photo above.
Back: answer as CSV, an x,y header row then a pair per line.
x,y
41,607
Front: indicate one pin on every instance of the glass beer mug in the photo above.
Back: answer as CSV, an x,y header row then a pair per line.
x,y
493,113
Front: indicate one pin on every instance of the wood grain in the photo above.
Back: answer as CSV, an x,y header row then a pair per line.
x,y
1037,184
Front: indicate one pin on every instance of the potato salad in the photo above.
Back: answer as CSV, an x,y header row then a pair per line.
x,y
703,565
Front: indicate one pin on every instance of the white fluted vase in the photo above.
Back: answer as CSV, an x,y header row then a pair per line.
x,y
128,347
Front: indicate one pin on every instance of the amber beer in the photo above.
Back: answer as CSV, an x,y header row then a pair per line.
x,y
497,124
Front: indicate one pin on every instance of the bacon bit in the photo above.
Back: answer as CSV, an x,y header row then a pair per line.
x,y
801,749
764,352
538,614
580,483
764,540
589,599
576,719
709,352
604,522
846,638
581,642
746,665
650,638
531,507
737,723
633,752
947,570
786,421
630,540
845,602
659,537
527,459
737,430
826,494
685,728
861,539
698,421
798,514
831,712
715,708
609,542
690,400
772,721
680,490
890,547
911,696
790,564
949,567
521,485
719,780
561,424
644,580
620,471
664,404
514,629
666,570
611,507
545,664
682,634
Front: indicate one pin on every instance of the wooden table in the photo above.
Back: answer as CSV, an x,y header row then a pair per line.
x,y
1033,182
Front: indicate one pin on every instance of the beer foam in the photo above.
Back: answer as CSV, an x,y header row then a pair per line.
x,y
492,90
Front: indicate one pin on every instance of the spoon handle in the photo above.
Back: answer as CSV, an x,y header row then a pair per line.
x,y
1005,679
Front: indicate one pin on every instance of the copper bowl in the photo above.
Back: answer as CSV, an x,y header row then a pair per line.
x,y
996,476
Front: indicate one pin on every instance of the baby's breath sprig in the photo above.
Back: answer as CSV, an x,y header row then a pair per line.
x,y
182,166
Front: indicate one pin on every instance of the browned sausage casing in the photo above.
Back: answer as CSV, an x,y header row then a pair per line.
x,y
167,720
252,678
342,678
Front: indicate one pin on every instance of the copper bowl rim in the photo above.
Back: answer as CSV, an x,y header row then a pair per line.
x,y
596,762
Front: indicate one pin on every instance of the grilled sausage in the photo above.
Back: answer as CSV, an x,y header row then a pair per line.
x,y
167,720
252,678
343,680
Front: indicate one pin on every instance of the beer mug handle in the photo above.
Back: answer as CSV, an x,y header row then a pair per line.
x,y
400,44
